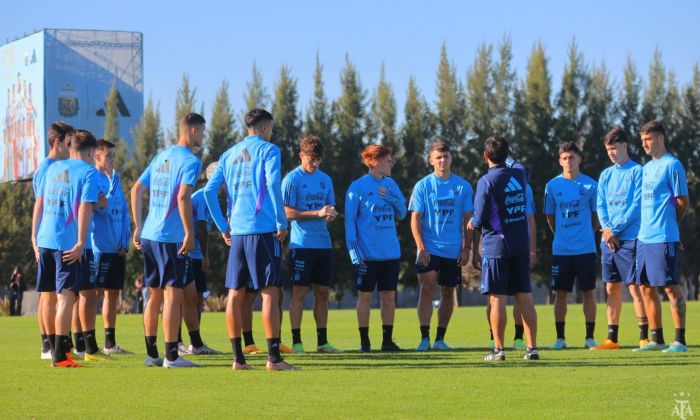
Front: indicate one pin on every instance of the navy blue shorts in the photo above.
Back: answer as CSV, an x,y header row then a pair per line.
x,y
619,266
382,275
311,265
88,271
657,264
567,267
200,277
111,270
53,275
449,273
163,266
505,275
254,262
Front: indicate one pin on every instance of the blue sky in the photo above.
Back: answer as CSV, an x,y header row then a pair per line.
x,y
211,40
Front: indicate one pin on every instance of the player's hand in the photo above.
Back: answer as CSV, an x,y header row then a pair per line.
x,y
423,258
388,195
187,244
281,234
470,225
122,251
36,249
610,240
137,238
205,264
681,247
533,261
227,238
101,201
463,258
476,260
74,254
328,212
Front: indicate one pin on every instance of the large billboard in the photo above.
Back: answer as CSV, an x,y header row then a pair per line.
x,y
65,74
22,107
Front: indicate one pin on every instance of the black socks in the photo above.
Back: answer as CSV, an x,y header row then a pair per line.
x,y
273,350
560,330
110,338
196,339
238,356
612,333
321,336
152,346
248,338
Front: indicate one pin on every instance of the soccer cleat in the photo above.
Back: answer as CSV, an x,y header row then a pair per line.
x,y
78,354
676,347
46,355
532,355
241,366
97,357
424,345
328,348
251,349
180,362
68,363
643,342
651,346
495,355
590,343
607,345
365,348
390,346
519,344
116,350
559,344
153,361
204,349
297,348
280,366
440,345
285,349
182,349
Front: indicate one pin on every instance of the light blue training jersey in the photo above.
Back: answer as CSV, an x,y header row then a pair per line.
x,y
200,213
38,178
167,172
370,220
67,184
663,180
619,199
305,191
442,205
111,228
251,172
572,202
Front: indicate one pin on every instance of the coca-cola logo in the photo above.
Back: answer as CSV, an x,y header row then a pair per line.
x,y
513,199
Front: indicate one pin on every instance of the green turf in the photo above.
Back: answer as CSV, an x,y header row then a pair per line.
x,y
574,383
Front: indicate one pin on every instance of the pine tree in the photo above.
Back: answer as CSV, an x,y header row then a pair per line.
x,y
383,115
255,97
504,84
629,108
111,130
599,117
220,128
287,122
318,117
480,96
570,100
655,90
184,103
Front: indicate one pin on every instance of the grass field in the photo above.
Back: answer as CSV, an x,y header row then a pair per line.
x,y
574,383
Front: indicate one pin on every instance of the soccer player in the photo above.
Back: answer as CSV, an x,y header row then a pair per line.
x,y
192,305
618,205
309,202
70,191
442,206
251,173
46,310
500,211
570,207
167,237
111,234
518,343
664,203
372,205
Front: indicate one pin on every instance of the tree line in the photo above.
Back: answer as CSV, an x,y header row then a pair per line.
x,y
489,99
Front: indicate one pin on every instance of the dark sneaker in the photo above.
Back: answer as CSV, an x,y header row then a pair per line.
x,y
390,346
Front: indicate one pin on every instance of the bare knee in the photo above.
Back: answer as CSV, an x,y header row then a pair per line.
x,y
321,293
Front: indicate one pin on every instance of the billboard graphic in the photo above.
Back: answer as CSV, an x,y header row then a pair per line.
x,y
65,74
22,107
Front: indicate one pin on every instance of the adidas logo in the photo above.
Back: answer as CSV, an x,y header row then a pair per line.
x,y
62,177
164,168
513,185
243,156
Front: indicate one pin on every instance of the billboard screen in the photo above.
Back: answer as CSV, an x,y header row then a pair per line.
x,y
82,66
22,107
